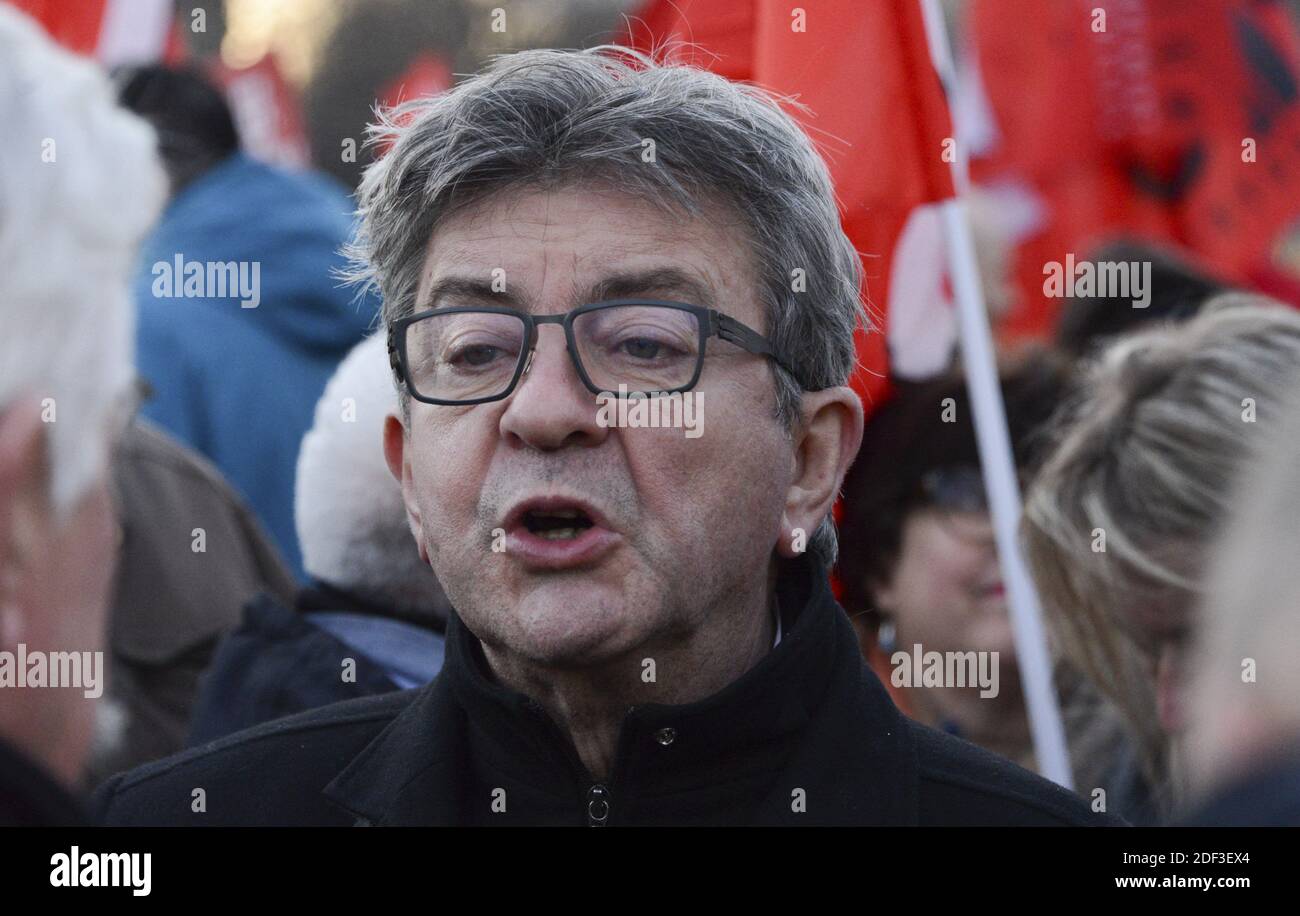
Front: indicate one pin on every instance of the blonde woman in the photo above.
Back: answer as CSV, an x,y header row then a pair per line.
x,y
1120,519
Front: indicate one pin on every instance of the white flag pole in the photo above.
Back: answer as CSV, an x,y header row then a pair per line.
x,y
995,449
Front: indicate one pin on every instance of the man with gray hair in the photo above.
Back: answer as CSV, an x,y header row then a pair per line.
x,y
79,187
578,251
372,619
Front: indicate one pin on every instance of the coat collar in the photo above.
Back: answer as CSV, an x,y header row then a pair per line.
x,y
809,697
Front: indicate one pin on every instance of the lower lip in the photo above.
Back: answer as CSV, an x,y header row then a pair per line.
x,y
567,553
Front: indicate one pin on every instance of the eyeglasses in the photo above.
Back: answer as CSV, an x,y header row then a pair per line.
x,y
957,489
624,347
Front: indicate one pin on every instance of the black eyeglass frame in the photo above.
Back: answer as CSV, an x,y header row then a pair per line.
x,y
711,323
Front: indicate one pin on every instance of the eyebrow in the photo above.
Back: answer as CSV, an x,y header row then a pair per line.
x,y
468,288
662,280
668,281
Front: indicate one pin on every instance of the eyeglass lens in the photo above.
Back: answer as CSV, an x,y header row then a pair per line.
x,y
462,356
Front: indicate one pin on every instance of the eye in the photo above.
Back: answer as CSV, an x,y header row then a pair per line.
x,y
475,355
480,355
644,344
640,347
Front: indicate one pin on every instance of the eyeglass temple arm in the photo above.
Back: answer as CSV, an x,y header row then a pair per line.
x,y
394,360
746,338
732,330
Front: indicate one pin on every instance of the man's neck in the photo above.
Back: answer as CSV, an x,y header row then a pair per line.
x,y
589,704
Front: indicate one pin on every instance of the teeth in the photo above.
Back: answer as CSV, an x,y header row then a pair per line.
x,y
564,513
558,534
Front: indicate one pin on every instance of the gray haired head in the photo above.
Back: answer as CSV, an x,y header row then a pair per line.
x,y
348,509
680,138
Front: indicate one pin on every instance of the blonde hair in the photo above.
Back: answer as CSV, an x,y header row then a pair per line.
x,y
1249,622
1139,481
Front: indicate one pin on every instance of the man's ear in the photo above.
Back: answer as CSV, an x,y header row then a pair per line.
x,y
25,513
826,441
395,455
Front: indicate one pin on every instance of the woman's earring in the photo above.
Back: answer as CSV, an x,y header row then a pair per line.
x,y
887,636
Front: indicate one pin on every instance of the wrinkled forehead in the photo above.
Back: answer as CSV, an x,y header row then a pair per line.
x,y
547,251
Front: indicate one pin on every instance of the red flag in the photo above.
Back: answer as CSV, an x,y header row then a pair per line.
x,y
426,75
75,25
113,31
864,71
1174,121
879,116
266,111
716,35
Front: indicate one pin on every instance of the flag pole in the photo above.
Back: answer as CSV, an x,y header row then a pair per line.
x,y
994,443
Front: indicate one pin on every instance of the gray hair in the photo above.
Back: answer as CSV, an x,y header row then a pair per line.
x,y
80,185
553,118
1146,455
348,509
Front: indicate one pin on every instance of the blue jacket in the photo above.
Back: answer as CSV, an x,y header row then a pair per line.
x,y
240,384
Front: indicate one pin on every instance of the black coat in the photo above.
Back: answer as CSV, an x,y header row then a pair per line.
x,y
30,797
808,736
278,663
1268,795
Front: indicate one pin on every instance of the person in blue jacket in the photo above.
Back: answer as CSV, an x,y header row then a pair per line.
x,y
242,319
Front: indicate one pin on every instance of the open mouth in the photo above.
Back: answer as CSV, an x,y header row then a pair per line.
x,y
558,532
557,524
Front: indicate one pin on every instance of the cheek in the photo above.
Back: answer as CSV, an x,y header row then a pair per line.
x,y
725,488
448,462
83,561
955,564
935,572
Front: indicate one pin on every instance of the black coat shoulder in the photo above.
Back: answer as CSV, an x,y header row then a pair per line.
x,y
961,784
269,775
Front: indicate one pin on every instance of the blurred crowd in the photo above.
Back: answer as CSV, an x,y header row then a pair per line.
x,y
212,506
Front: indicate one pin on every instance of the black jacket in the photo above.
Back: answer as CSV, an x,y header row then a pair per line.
x,y
1266,796
808,736
30,797
279,662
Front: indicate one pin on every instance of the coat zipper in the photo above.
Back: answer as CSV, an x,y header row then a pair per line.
x,y
597,806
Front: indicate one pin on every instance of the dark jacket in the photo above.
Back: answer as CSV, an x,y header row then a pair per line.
x,y
29,797
1266,796
172,604
807,736
331,646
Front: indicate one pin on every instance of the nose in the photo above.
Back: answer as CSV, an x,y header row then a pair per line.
x,y
550,408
